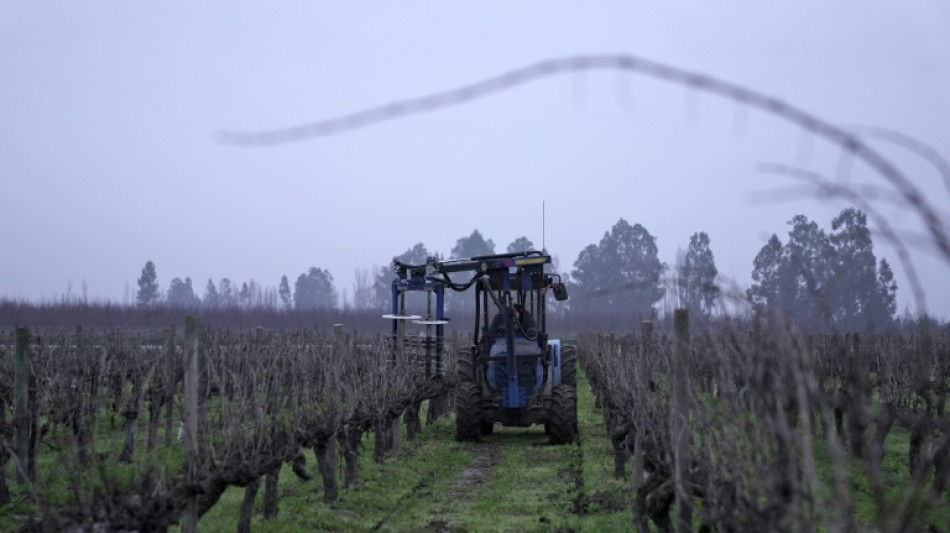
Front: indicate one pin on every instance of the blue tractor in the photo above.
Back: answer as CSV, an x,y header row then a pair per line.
x,y
513,373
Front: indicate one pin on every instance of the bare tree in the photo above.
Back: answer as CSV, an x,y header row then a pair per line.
x,y
363,288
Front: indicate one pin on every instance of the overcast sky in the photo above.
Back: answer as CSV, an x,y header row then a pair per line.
x,y
109,113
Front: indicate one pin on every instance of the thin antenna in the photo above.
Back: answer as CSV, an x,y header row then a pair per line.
x,y
542,226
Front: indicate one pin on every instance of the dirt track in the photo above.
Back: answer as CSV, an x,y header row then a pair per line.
x,y
514,481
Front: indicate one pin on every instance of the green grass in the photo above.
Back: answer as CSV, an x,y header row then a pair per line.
x,y
895,473
512,481
56,467
385,489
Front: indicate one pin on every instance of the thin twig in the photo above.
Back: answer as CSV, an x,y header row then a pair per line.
x,y
506,81
912,144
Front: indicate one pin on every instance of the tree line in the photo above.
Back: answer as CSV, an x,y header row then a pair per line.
x,y
820,279
313,289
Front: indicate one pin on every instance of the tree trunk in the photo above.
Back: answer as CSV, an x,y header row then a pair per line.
x,y
883,427
916,444
190,417
198,505
437,408
839,420
619,433
4,456
941,471
350,439
37,431
383,439
118,391
681,422
24,419
325,450
247,506
4,488
270,493
819,421
413,424
154,413
299,466
639,507
169,388
80,435
620,457
857,423
128,448
394,434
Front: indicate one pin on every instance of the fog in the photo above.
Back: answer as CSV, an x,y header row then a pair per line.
x,y
111,154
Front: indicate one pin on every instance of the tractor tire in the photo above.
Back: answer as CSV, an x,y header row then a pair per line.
x,y
562,418
468,415
488,428
569,366
466,370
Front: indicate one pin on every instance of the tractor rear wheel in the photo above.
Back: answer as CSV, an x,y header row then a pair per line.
x,y
569,366
468,415
466,370
562,418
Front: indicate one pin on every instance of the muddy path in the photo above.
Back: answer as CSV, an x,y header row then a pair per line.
x,y
476,473
464,488
514,481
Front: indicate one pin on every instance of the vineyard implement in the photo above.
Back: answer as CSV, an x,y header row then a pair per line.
x,y
513,374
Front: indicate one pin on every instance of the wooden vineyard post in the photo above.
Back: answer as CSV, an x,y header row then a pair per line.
x,y
21,395
646,334
637,474
169,383
681,426
190,522
860,395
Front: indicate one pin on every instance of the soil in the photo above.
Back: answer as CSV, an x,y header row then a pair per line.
x,y
477,471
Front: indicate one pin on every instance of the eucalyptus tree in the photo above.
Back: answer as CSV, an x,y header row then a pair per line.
x,y
315,290
697,276
181,293
521,244
211,298
862,296
286,297
148,285
826,281
620,275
